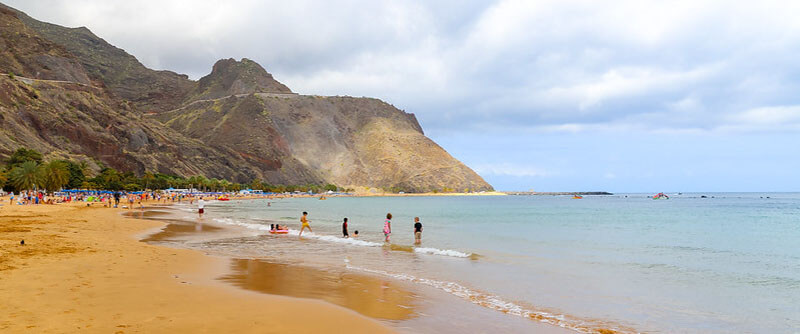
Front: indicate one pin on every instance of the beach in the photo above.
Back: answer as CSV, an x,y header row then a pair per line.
x,y
549,264
83,269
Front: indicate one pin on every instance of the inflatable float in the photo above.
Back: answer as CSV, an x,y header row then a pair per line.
x,y
278,231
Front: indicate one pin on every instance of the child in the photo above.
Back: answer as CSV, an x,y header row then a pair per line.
x,y
417,231
387,226
304,220
201,205
355,234
344,229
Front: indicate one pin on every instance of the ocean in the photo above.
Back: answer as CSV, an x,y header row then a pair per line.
x,y
726,263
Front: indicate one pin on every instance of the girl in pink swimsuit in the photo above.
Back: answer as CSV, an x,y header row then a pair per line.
x,y
387,226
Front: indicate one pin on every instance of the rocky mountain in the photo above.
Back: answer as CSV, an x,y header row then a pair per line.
x,y
69,93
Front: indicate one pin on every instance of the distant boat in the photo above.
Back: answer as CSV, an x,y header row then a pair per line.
x,y
577,197
660,196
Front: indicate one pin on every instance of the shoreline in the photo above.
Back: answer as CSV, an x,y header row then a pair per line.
x,y
84,268
379,295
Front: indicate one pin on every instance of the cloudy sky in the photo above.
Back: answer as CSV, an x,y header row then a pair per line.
x,y
622,96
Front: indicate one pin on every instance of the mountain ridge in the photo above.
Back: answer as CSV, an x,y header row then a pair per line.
x,y
237,122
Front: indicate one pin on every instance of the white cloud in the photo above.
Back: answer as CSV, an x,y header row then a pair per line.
x,y
550,65
506,169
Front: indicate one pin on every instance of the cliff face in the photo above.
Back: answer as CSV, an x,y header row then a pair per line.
x,y
74,95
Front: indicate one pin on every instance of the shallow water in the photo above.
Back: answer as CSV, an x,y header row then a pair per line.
x,y
688,264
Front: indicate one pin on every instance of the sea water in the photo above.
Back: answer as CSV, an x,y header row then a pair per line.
x,y
726,263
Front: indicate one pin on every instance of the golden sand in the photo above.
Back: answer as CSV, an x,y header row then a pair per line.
x,y
82,269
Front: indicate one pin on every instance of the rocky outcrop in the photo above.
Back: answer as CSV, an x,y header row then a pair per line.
x,y
71,94
231,77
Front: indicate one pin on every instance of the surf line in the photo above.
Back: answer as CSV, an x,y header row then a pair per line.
x,y
355,242
496,303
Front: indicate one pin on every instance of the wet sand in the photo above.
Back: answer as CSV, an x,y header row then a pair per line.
x,y
370,296
82,268
406,307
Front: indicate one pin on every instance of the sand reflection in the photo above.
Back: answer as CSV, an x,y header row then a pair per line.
x,y
370,296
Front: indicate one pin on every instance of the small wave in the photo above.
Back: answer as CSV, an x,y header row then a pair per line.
x,y
444,252
496,303
348,241
352,241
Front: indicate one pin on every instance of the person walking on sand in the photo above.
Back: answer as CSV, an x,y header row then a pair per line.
x,y
417,231
387,226
304,220
344,229
201,204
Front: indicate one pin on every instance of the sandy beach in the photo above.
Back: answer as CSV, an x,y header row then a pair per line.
x,y
83,269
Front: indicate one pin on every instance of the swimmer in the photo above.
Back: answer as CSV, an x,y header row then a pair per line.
x,y
355,234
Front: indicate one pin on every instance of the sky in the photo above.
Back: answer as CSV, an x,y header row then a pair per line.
x,y
619,96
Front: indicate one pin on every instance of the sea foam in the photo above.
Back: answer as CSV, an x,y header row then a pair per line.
x,y
346,241
486,300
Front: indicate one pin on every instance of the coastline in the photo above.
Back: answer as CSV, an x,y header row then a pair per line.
x,y
83,268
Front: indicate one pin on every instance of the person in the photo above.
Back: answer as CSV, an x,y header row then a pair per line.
x,y
116,199
355,234
272,227
387,226
130,201
201,204
417,231
344,229
304,220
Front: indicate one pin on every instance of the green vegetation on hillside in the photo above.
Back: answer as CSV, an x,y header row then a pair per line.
x,y
26,170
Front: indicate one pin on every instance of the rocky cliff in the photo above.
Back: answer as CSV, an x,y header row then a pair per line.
x,y
68,93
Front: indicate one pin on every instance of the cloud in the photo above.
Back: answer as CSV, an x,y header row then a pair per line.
x,y
507,169
547,65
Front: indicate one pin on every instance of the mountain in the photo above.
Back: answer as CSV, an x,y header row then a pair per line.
x,y
69,93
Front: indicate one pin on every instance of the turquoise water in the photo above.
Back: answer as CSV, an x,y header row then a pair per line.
x,y
725,264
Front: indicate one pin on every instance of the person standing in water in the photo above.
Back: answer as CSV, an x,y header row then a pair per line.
x,y
344,229
417,231
387,226
201,204
304,220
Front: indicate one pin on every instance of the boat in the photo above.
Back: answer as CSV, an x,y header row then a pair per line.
x,y
223,199
660,196
278,231
577,197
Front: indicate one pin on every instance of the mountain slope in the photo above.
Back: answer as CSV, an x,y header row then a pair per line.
x,y
108,65
74,95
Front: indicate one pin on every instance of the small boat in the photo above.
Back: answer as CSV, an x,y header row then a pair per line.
x,y
278,231
577,197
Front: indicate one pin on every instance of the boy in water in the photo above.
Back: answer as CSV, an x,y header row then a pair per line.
x,y
417,231
344,229
304,220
